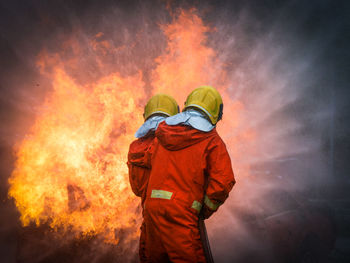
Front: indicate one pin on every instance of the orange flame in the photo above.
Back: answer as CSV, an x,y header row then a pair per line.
x,y
71,168
189,63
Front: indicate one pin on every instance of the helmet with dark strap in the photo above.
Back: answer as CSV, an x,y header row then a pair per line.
x,y
208,100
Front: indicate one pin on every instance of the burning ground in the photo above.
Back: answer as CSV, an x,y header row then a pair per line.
x,y
80,74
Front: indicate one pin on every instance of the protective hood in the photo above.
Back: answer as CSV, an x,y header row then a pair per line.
x,y
179,137
150,125
193,118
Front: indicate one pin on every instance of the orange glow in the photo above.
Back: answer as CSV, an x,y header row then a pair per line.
x,y
188,62
71,167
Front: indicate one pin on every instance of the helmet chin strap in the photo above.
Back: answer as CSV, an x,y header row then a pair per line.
x,y
221,111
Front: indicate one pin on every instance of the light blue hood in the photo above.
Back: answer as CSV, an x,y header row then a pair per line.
x,y
151,124
191,118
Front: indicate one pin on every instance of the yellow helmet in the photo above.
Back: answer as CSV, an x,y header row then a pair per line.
x,y
207,99
162,104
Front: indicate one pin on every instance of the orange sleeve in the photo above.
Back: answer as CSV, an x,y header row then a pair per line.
x,y
139,166
220,176
135,173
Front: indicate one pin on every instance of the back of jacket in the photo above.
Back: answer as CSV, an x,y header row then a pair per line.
x,y
190,169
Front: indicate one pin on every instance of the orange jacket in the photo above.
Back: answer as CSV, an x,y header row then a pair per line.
x,y
139,165
193,166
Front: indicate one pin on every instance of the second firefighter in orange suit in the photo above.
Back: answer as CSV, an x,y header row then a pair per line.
x,y
156,110
191,175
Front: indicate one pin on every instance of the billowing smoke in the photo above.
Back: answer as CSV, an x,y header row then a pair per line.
x,y
281,73
272,61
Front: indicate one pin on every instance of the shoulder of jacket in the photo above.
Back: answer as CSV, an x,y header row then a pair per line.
x,y
134,144
215,139
140,144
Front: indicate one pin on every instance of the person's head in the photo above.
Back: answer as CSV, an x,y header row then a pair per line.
x,y
161,104
207,100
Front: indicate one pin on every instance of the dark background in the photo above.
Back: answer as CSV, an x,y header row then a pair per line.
x,y
322,26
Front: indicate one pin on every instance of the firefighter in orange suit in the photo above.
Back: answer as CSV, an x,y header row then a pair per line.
x,y
191,176
156,110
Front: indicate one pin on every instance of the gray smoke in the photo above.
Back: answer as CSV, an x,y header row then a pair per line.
x,y
282,64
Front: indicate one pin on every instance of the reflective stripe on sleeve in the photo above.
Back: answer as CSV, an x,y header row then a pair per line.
x,y
210,204
161,194
196,205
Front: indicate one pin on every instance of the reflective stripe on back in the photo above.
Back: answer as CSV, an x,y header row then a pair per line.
x,y
210,204
196,205
161,194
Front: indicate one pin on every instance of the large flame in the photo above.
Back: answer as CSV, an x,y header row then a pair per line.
x,y
189,63
71,167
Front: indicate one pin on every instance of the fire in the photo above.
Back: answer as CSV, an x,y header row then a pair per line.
x,y
71,167
189,63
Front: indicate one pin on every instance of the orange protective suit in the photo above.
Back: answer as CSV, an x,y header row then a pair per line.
x,y
191,172
139,171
